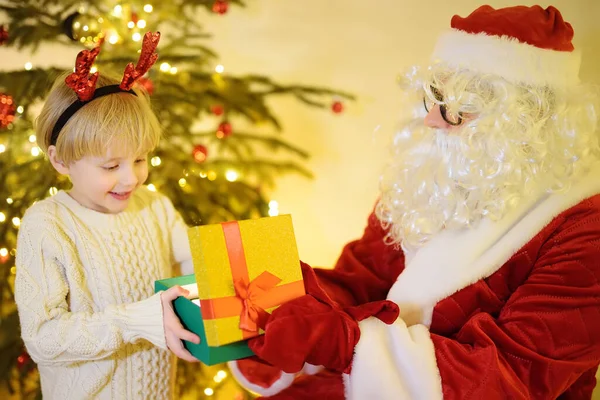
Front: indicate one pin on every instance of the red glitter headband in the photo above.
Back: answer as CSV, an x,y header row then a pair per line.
x,y
84,84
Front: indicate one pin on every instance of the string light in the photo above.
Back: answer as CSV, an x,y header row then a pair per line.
x,y
273,208
20,109
231,175
118,10
155,161
94,69
86,28
32,138
131,24
151,187
2,148
52,191
212,175
141,24
4,256
209,392
164,67
113,38
13,270
182,182
220,376
219,68
202,174
136,37
9,200
148,8
35,151
173,70
28,66
2,217
16,222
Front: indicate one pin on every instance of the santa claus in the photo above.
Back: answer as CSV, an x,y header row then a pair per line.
x,y
478,275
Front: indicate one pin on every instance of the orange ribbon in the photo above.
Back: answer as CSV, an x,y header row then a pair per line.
x,y
252,297
250,294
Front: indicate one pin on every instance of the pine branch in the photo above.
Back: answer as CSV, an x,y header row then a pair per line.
x,y
26,87
272,143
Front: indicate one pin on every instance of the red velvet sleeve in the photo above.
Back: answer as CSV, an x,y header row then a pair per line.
x,y
546,337
366,269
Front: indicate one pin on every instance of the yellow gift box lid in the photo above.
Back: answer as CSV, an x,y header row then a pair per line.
x,y
242,267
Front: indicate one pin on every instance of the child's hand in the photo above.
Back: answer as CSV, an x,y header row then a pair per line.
x,y
174,331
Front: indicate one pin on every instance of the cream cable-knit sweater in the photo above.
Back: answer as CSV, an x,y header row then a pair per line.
x,y
84,291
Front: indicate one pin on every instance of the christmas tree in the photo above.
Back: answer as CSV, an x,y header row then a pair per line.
x,y
220,155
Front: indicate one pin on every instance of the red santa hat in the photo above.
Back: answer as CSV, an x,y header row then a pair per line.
x,y
523,44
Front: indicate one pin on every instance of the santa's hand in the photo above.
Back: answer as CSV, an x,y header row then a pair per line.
x,y
315,331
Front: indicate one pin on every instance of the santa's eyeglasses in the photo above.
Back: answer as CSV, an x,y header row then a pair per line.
x,y
450,117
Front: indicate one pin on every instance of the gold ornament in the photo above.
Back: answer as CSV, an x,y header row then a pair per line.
x,y
85,28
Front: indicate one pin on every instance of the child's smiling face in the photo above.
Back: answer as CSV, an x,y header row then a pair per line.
x,y
105,184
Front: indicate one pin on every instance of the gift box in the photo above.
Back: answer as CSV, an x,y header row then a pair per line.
x,y
243,270
188,311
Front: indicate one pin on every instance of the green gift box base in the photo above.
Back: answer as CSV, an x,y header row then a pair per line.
x,y
191,319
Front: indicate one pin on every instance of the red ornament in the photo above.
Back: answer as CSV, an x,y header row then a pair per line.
x,y
224,130
217,109
147,84
337,107
134,18
200,153
3,35
23,360
7,110
220,6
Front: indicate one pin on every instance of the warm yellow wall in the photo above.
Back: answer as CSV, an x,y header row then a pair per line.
x,y
359,46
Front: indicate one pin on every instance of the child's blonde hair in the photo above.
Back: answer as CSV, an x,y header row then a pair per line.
x,y
118,119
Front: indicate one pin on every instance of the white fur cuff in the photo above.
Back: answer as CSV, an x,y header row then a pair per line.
x,y
284,381
393,362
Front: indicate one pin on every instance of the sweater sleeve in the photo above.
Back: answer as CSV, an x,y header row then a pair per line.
x,y
180,244
51,331
366,269
545,337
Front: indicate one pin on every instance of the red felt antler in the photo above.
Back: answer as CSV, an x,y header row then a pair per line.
x,y
147,58
81,81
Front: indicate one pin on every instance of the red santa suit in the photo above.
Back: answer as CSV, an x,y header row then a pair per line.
x,y
506,309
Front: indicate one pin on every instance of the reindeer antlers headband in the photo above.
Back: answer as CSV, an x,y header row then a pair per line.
x,y
84,84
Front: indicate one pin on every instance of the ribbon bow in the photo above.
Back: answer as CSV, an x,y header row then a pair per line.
x,y
253,315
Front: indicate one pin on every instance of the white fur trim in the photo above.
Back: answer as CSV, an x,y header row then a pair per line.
x,y
393,362
509,58
310,369
454,260
284,381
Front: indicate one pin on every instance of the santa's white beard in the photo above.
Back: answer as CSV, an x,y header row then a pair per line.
x,y
438,180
